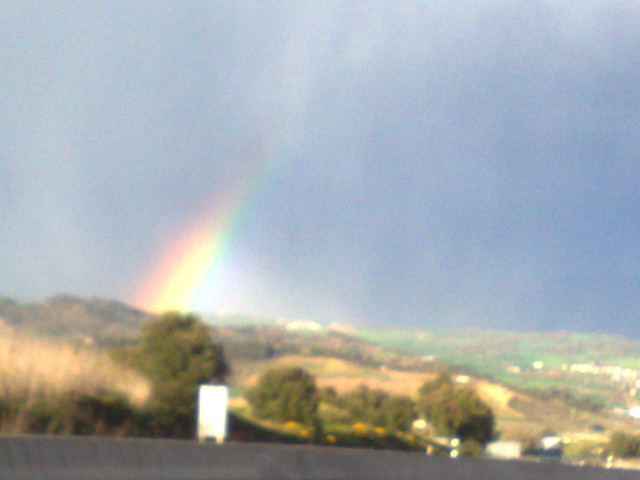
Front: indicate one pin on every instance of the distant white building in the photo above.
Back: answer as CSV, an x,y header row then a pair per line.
x,y
551,442
634,412
304,325
419,424
505,450
586,368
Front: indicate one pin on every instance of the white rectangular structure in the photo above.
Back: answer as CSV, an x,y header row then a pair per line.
x,y
504,449
212,412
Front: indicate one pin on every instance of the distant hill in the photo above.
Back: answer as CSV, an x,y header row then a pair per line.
x,y
493,351
73,317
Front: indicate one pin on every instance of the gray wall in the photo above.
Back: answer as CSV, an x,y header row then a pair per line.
x,y
83,458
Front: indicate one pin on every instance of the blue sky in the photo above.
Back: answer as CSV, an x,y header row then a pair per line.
x,y
426,164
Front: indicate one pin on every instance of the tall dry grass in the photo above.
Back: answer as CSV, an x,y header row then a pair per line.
x,y
36,370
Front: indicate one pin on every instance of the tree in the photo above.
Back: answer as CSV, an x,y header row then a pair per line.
x,y
455,411
286,394
623,446
177,354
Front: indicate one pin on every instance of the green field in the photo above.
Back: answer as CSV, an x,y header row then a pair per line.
x,y
498,354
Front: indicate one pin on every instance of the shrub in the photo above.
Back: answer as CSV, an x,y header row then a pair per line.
x,y
396,413
43,381
623,445
35,370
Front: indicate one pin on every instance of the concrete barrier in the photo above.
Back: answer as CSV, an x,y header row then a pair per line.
x,y
87,458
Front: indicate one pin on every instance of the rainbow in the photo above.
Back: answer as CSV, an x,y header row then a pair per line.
x,y
179,272
196,261
192,269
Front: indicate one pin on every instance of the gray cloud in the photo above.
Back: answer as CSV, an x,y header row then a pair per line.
x,y
421,163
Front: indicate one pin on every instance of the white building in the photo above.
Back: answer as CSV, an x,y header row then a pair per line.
x,y
634,412
304,325
503,449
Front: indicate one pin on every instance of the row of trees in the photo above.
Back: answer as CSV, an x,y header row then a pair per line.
x,y
290,394
377,407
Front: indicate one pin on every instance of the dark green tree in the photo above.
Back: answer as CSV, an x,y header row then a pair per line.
x,y
177,354
455,411
286,394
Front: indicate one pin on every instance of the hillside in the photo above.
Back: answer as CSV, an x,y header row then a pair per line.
x,y
263,342
73,317
518,414
587,371
490,350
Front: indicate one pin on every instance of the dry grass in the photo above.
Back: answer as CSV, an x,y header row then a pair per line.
x,y
496,395
395,382
40,370
340,374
